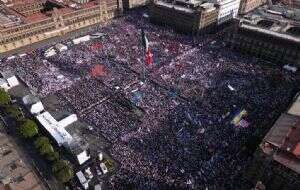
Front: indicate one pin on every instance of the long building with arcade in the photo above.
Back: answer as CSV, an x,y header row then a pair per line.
x,y
24,22
270,32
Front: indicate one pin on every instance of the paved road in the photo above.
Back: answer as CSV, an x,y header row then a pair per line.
x,y
32,158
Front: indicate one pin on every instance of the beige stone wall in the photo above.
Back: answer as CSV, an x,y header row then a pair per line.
x,y
276,50
208,19
58,25
27,9
136,3
249,5
179,20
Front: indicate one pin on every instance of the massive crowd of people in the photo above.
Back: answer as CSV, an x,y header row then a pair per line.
x,y
169,123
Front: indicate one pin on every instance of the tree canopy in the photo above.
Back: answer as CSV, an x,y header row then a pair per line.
x,y
44,146
63,170
52,156
14,112
4,97
40,141
28,129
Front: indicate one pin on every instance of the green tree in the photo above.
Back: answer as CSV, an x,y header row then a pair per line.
x,y
4,97
28,129
40,141
63,170
15,112
52,156
44,146
46,149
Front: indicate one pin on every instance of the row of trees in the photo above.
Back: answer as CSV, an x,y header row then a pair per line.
x,y
28,129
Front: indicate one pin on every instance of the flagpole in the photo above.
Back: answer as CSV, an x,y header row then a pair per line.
x,y
144,73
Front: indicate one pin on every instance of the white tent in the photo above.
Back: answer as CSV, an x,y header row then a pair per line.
x,y
10,79
68,120
61,47
50,52
37,108
82,180
33,103
81,39
83,157
59,134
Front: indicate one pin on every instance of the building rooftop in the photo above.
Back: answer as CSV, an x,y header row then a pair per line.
x,y
11,13
187,6
282,142
8,17
18,2
35,17
59,133
276,20
14,172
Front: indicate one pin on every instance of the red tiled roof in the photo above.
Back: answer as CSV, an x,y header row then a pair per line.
x,y
18,2
88,5
35,17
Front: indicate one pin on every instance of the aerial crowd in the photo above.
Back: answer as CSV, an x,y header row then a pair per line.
x,y
169,123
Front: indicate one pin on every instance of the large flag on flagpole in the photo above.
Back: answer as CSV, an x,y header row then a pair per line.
x,y
149,57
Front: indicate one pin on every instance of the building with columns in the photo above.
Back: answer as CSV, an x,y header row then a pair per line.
x,y
249,5
190,16
23,22
228,9
269,32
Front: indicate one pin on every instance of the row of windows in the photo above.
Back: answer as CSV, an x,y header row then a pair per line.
x,y
109,6
28,34
81,19
21,37
252,5
267,47
29,27
26,27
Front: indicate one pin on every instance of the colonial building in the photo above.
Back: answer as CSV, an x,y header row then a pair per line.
x,y
129,4
249,5
184,15
291,3
25,22
228,9
270,33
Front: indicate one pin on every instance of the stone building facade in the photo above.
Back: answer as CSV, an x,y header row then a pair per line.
x,y
249,5
40,25
268,36
129,4
228,9
185,16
